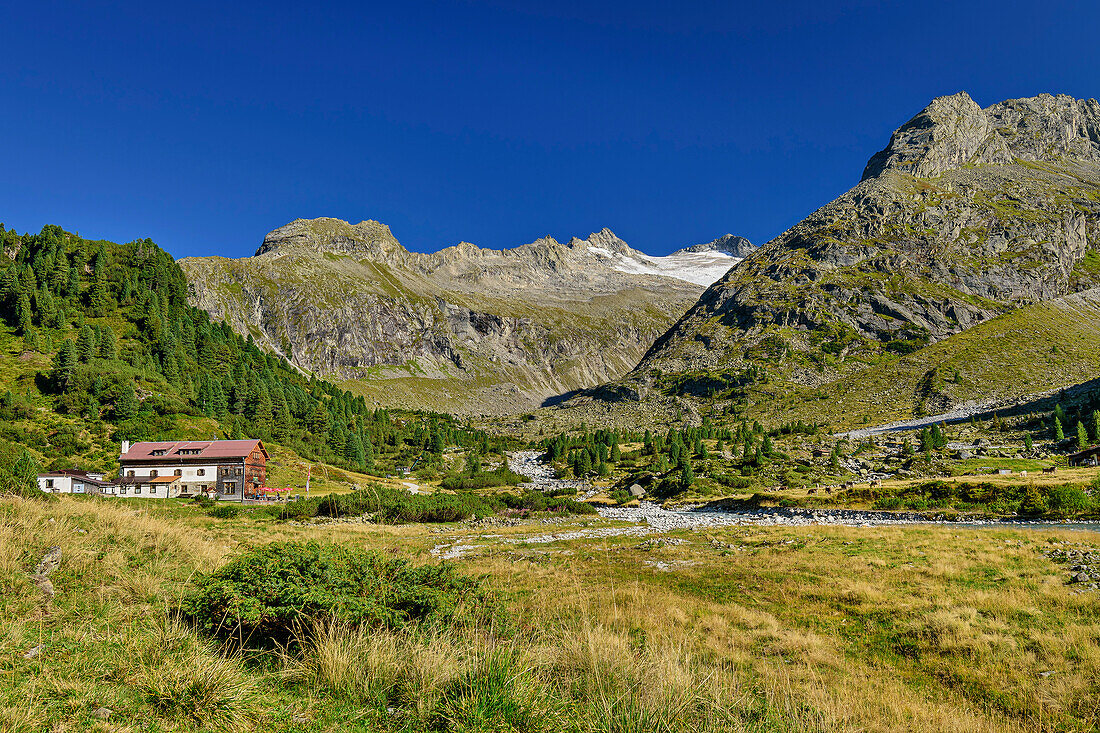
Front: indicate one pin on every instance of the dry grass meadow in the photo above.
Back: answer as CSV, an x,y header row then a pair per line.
x,y
738,629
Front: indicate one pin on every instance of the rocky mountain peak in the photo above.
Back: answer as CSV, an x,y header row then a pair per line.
x,y
730,244
333,235
954,131
605,239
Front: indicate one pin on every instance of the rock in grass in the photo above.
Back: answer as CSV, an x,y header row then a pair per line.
x,y
102,713
49,561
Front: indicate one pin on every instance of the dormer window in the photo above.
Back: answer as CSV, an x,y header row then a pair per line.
x,y
158,453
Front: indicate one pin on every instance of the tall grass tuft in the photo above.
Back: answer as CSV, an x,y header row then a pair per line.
x,y
183,677
501,692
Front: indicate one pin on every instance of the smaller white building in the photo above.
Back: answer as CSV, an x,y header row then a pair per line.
x,y
72,482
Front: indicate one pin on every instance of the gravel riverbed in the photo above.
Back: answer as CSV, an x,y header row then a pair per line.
x,y
657,518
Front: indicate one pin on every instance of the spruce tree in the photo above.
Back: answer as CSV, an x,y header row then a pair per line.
x,y
86,344
126,406
31,341
64,365
1082,436
108,344
98,299
23,314
353,452
319,420
1059,434
687,477
585,463
1028,445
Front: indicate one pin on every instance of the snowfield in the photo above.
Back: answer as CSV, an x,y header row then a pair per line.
x,y
701,268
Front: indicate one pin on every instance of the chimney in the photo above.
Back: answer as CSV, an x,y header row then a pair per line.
x,y
125,448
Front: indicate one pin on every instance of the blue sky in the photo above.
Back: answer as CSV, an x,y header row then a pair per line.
x,y
205,125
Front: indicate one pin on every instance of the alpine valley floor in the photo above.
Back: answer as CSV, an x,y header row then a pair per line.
x,y
724,629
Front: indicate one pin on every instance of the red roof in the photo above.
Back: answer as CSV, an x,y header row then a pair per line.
x,y
206,448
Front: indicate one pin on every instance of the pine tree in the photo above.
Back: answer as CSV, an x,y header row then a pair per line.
x,y
687,477
23,314
86,344
64,365
284,421
603,470
108,344
219,404
98,298
585,463
318,421
925,440
72,288
353,451
30,340
263,418
126,406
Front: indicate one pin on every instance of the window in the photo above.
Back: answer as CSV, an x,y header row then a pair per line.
x,y
137,489
158,453
179,471
230,487
153,473
129,473
49,483
200,472
122,491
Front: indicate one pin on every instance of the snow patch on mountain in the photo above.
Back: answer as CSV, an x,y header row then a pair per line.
x,y
700,268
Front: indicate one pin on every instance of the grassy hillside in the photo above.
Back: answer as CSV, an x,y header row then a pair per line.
x,y
98,344
1036,349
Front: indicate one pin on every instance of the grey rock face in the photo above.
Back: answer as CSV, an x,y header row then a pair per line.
x,y
464,329
954,131
968,213
731,244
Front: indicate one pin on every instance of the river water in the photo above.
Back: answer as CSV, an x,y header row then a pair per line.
x,y
653,515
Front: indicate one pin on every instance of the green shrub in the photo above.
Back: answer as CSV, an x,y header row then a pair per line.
x,y
262,596
225,511
387,504
19,473
1068,500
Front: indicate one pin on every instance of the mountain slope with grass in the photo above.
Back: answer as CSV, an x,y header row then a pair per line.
x,y
464,329
968,214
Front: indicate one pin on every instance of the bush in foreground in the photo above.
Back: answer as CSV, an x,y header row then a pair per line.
x,y
264,595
